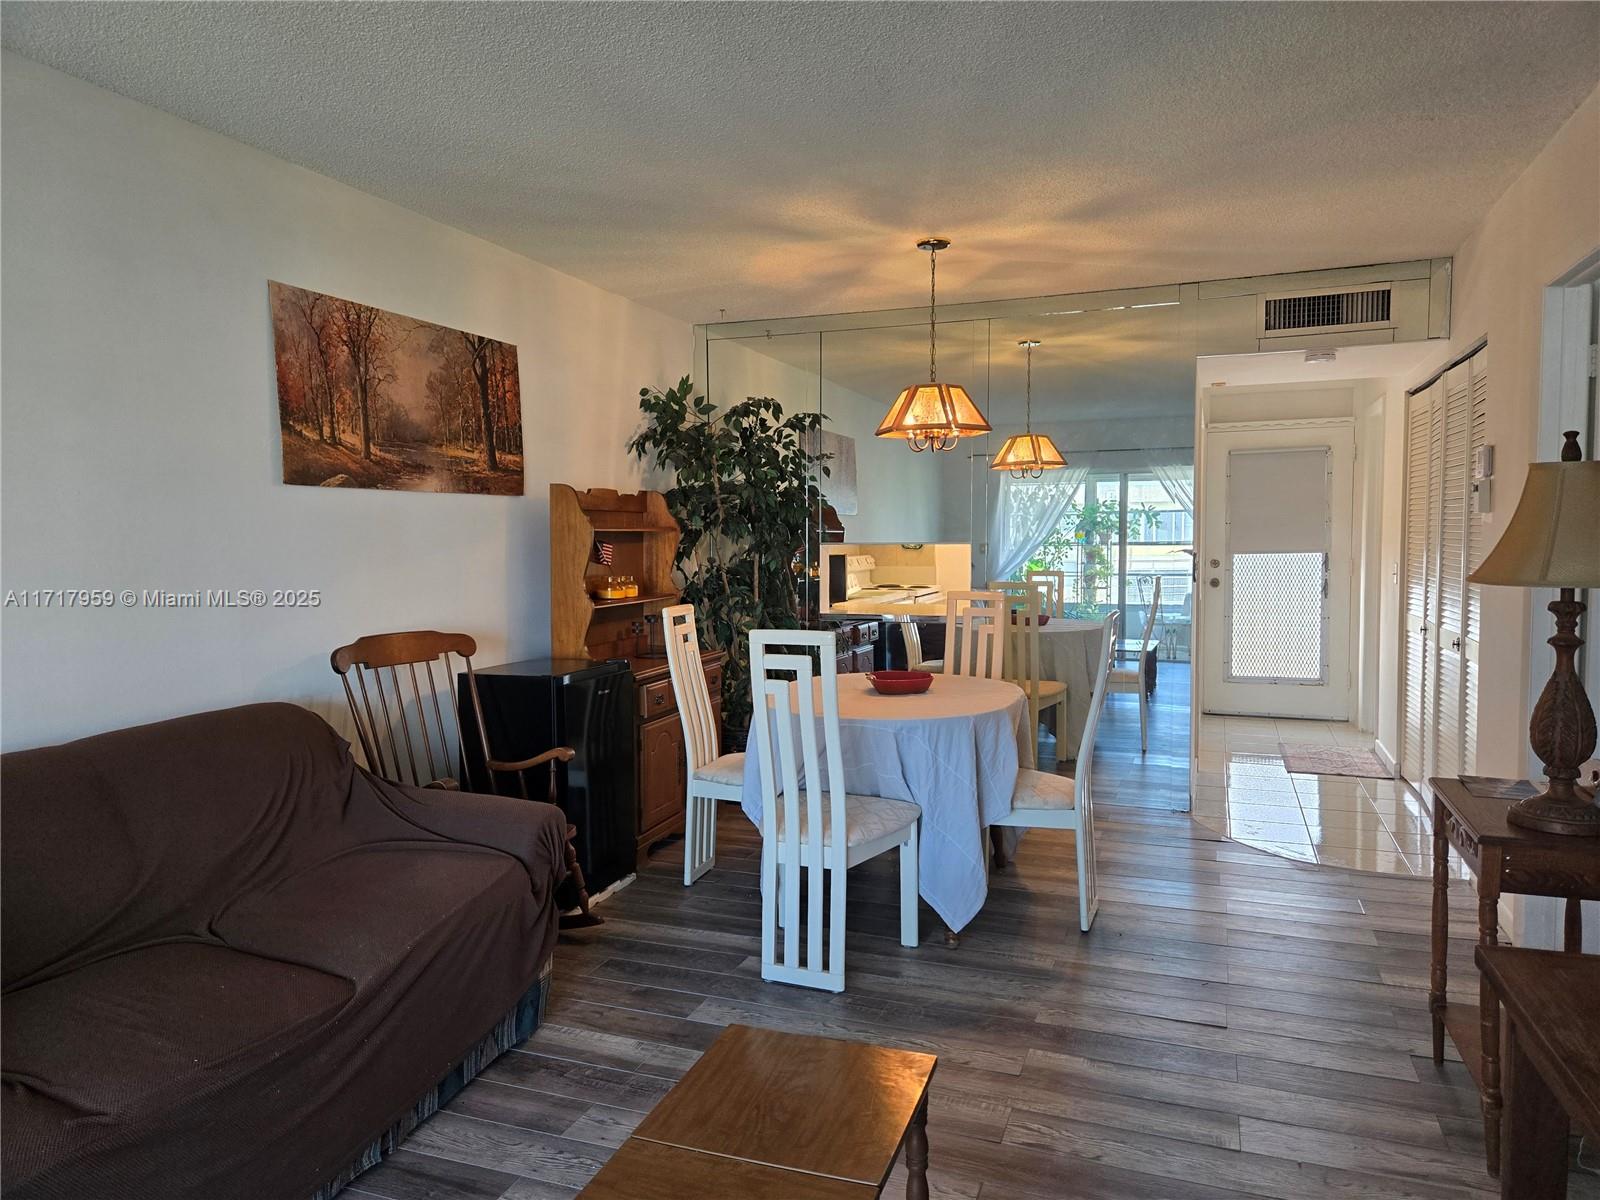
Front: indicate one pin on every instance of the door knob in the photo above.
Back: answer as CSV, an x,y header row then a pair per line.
x,y
1215,582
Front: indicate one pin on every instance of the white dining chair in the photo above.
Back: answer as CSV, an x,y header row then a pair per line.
x,y
1024,657
912,637
1017,588
712,775
1132,679
1055,585
1045,800
973,640
804,809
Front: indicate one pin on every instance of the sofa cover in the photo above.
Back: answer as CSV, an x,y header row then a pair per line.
x,y
232,958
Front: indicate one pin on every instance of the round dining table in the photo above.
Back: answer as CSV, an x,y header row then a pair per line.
x,y
1069,653
953,750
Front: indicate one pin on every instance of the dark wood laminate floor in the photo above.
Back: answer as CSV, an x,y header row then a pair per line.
x,y
1236,1025
1125,774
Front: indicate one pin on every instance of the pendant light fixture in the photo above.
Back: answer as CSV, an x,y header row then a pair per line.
x,y
933,415
1028,455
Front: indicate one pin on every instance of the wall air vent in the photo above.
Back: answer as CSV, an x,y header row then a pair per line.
x,y
1326,311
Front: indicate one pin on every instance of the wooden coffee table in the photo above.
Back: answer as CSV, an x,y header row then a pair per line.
x,y
805,1116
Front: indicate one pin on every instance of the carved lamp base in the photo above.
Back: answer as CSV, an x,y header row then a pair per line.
x,y
1562,733
1553,814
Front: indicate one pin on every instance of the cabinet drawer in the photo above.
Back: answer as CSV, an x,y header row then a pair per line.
x,y
714,684
862,658
656,699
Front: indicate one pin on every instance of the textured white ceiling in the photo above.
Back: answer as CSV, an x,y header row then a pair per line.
x,y
781,158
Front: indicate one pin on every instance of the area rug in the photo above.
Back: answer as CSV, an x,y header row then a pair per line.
x,y
1302,758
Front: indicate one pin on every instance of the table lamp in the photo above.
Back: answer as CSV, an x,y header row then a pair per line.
x,y
1553,540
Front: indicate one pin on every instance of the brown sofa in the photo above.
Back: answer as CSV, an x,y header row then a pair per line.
x,y
237,965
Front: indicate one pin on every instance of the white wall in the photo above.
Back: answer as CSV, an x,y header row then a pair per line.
x,y
1545,223
1541,228
140,434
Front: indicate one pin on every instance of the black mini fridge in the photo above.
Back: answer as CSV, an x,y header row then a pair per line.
x,y
530,707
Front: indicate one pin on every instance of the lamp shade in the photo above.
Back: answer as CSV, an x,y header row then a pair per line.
x,y
1553,539
1028,452
938,411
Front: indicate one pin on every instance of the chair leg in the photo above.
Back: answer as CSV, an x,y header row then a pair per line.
x,y
699,837
834,980
1088,902
583,918
708,822
770,908
910,934
691,838
1144,720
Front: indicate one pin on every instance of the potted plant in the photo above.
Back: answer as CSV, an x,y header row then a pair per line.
x,y
743,495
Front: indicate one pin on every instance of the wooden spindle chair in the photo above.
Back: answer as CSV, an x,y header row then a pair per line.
x,y
384,725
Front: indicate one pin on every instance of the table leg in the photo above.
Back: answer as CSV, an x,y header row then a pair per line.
x,y
917,1154
1536,1132
1437,970
1489,1009
997,846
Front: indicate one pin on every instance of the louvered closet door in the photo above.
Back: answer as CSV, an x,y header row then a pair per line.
x,y
1431,597
1413,742
1445,425
1475,549
1455,425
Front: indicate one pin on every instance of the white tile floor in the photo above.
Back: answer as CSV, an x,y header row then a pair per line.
x,y
1244,792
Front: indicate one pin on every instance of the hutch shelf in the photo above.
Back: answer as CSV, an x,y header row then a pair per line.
x,y
641,538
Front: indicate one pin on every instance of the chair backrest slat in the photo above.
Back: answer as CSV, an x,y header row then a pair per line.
x,y
422,721
702,744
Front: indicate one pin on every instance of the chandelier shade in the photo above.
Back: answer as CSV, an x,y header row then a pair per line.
x,y
933,415
1028,454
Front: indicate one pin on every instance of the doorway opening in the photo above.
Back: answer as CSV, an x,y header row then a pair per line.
x,y
1299,475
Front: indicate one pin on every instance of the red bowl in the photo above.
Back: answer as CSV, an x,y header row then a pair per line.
x,y
900,683
1044,619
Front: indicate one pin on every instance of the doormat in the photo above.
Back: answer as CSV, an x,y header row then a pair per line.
x,y
1301,758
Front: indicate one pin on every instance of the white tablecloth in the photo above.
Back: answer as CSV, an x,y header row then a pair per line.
x,y
953,751
1069,652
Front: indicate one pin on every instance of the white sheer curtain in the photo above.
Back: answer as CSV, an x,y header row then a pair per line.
x,y
1177,479
1025,513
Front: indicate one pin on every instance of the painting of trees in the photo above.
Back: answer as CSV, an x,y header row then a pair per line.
x,y
372,398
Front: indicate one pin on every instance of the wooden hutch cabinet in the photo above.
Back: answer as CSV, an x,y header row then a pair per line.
x,y
640,537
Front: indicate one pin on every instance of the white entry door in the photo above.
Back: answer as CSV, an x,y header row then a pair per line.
x,y
1276,570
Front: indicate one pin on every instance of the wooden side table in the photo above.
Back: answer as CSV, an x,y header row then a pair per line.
x,y
1505,858
1552,1062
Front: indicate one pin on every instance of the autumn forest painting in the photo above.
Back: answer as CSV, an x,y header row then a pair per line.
x,y
372,399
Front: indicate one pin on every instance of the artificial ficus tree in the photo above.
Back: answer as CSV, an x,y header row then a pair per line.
x,y
745,498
